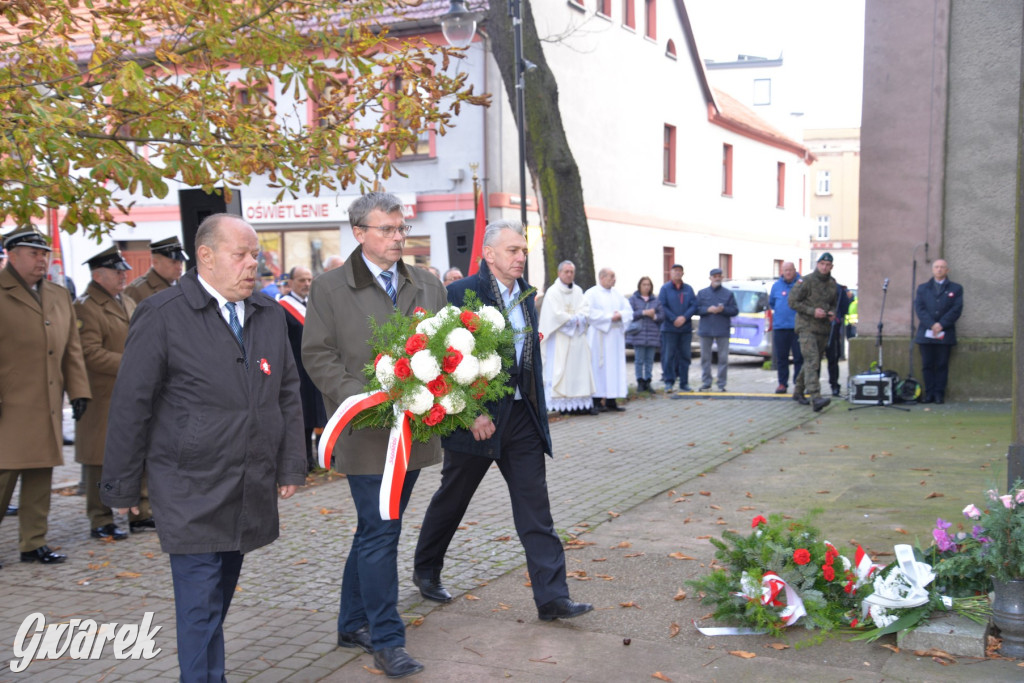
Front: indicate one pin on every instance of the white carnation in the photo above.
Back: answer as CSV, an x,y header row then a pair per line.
x,y
417,400
429,326
490,365
881,616
449,311
452,403
467,370
385,371
462,339
493,316
424,366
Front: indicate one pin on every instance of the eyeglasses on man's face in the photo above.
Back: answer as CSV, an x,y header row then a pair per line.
x,y
390,230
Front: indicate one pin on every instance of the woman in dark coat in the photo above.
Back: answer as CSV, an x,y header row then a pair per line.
x,y
644,333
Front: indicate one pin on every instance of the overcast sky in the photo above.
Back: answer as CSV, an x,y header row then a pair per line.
x,y
821,42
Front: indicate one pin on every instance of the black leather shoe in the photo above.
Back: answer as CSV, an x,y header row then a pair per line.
x,y
799,397
360,639
44,555
836,393
939,399
926,399
12,511
395,662
820,403
431,587
562,608
142,525
612,404
109,531
593,410
69,442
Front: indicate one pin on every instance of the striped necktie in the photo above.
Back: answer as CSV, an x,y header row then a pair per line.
x,y
389,287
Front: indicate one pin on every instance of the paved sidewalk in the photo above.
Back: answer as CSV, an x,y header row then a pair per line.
x,y
628,486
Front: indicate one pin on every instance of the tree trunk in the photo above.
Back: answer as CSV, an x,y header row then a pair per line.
x,y
548,157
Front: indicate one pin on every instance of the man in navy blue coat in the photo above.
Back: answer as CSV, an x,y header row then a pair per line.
x,y
938,304
517,438
680,304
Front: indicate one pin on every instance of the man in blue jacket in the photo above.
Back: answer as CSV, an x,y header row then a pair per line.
x,y
679,304
784,339
938,304
716,307
517,439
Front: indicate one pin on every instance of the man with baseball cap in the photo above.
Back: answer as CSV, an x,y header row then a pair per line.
x,y
814,298
40,360
168,264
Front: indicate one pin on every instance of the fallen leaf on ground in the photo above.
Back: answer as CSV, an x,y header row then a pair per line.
x,y
302,561
629,604
933,494
605,577
715,507
887,646
612,513
471,597
900,530
418,621
503,538
742,653
824,491
705,493
940,656
777,646
680,556
680,499
599,559
375,672
749,494
704,537
635,555
660,676
680,594
622,544
842,445
921,469
673,630
746,508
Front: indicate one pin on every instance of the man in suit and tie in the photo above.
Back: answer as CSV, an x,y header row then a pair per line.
x,y
294,302
517,438
206,402
373,283
938,304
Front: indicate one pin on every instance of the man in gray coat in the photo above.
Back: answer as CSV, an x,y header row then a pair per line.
x,y
716,306
373,283
207,403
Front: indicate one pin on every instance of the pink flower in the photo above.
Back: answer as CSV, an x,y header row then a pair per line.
x,y
757,521
1007,501
1019,498
801,556
972,512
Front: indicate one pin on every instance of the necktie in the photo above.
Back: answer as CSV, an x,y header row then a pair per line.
x,y
236,327
385,276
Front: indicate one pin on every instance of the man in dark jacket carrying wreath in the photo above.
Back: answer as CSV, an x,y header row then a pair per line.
x,y
517,438
207,403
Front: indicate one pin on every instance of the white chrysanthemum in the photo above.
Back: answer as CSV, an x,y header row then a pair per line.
x,y
417,400
452,403
424,366
429,326
448,311
493,316
467,370
490,365
385,371
846,563
462,339
881,616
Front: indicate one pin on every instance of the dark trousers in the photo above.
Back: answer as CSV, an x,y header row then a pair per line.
x,y
33,502
785,342
935,368
204,584
522,464
833,353
369,585
676,355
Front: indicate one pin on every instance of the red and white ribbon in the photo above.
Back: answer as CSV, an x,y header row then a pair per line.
x,y
399,446
772,586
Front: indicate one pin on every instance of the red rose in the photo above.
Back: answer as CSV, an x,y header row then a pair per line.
x,y
480,386
419,310
758,521
438,386
848,588
854,623
416,342
451,359
402,369
435,415
377,359
471,320
828,572
800,555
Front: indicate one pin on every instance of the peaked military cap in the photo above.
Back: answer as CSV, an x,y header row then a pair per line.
x,y
108,258
825,257
26,237
170,247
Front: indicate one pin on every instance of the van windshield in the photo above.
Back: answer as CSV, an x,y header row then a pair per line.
x,y
751,302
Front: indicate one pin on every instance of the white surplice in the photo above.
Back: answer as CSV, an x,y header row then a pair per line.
x,y
564,349
607,339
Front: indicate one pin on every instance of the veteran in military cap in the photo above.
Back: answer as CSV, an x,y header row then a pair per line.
x,y
103,316
815,298
168,264
40,360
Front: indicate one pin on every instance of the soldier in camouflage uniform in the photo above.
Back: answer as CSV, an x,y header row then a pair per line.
x,y
814,300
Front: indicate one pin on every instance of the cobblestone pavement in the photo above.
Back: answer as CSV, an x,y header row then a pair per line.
x,y
282,622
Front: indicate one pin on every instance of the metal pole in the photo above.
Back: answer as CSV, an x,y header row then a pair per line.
x,y
515,11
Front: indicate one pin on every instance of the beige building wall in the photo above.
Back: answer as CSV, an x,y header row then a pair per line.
x,y
834,198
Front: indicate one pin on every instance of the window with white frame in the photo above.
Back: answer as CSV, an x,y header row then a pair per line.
x,y
824,223
824,183
762,91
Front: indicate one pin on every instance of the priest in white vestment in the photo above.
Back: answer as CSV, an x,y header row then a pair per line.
x,y
564,349
609,313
